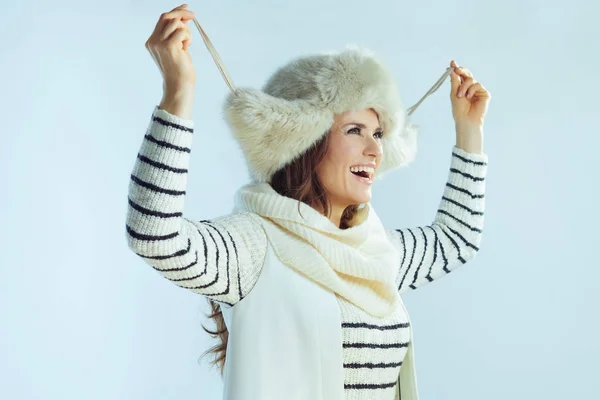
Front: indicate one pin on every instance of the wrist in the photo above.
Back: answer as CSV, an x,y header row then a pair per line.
x,y
469,137
178,93
468,128
178,102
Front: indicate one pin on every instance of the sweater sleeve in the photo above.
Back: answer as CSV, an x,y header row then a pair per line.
x,y
433,251
220,258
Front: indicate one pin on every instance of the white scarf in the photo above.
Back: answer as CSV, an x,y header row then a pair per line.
x,y
358,263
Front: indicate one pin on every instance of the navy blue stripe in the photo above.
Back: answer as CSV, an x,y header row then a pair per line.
x,y
411,257
171,124
162,143
374,345
372,366
155,188
237,259
473,196
437,239
166,257
462,206
460,221
178,269
428,276
465,241
161,165
466,175
456,246
416,274
153,213
140,236
468,161
371,326
370,386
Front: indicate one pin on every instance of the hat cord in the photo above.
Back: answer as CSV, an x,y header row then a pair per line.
x,y
435,87
229,81
215,56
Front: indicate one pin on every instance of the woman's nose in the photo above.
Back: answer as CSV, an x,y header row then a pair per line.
x,y
374,149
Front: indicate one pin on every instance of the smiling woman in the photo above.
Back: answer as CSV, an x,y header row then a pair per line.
x,y
336,174
354,153
303,279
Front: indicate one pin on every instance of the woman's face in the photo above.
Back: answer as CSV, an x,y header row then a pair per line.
x,y
355,140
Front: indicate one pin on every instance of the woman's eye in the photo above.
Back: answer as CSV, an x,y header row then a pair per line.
x,y
356,130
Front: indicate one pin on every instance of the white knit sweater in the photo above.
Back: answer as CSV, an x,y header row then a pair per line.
x,y
222,258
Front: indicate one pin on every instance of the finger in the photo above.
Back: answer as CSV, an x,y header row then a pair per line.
x,y
177,24
180,13
162,23
454,83
187,42
170,28
178,38
481,93
464,86
472,90
179,8
463,72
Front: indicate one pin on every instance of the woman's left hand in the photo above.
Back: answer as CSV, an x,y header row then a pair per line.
x,y
469,98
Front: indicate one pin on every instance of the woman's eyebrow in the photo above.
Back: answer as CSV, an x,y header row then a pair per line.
x,y
362,126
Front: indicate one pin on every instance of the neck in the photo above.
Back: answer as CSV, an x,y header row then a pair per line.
x,y
336,216
335,213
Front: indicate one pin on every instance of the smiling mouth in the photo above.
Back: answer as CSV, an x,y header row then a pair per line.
x,y
363,174
363,177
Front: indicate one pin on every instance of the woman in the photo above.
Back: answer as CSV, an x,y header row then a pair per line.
x,y
303,279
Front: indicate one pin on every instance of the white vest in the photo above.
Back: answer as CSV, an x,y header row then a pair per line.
x,y
285,341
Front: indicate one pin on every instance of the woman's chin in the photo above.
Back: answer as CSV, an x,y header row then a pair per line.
x,y
361,197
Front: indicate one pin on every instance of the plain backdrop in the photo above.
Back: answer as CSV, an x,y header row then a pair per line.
x,y
83,317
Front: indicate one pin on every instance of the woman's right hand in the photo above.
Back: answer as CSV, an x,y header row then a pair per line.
x,y
168,46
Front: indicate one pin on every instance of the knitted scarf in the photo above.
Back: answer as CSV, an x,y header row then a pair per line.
x,y
358,263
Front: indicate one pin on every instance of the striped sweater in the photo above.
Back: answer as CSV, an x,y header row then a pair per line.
x,y
221,258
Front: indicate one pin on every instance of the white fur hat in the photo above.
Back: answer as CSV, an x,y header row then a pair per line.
x,y
297,104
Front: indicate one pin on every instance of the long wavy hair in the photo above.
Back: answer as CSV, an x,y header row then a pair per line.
x,y
297,180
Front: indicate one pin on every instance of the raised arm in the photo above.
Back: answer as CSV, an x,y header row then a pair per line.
x,y
433,251
220,259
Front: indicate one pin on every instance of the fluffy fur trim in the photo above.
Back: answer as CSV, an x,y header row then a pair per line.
x,y
296,108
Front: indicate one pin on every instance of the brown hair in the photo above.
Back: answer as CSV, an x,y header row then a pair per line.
x,y
299,181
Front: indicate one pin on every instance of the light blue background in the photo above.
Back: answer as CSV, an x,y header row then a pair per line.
x,y
83,317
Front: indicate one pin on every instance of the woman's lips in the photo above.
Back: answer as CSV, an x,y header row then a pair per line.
x,y
365,181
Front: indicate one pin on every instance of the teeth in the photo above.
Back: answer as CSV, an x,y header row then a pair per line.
x,y
368,170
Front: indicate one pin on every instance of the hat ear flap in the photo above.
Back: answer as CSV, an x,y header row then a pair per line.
x,y
272,131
